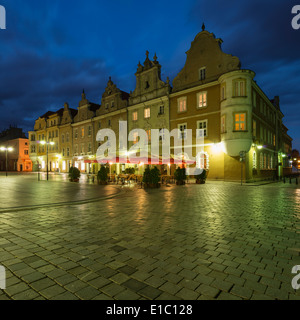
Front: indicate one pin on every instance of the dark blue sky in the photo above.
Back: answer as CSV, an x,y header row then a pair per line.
x,y
52,49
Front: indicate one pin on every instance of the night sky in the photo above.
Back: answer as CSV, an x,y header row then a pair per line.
x,y
52,49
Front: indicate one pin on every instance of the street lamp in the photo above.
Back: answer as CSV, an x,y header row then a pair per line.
x,y
6,152
47,144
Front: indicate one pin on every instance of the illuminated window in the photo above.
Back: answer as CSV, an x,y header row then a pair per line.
x,y
64,165
147,113
202,100
148,134
135,137
240,122
82,132
239,88
254,165
182,105
274,140
135,116
223,124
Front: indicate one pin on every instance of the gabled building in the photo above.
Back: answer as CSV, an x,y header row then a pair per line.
x,y
242,127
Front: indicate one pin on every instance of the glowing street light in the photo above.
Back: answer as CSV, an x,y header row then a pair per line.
x,y
47,143
6,150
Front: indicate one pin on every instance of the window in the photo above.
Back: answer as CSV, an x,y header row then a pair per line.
x,y
161,110
261,161
109,123
202,100
274,140
68,152
26,152
63,138
76,149
254,99
254,164
202,74
239,88
135,116
202,125
63,152
107,106
82,132
135,137
148,134
182,105
90,131
223,92
112,104
147,113
240,122
89,147
76,134
223,124
67,137
254,128
182,128
162,134
56,134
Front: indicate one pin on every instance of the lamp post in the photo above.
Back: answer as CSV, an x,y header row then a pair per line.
x,y
47,143
6,158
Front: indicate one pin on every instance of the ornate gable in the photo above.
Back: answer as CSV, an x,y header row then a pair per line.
x,y
205,62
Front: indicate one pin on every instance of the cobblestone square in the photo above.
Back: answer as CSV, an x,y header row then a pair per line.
x,y
195,242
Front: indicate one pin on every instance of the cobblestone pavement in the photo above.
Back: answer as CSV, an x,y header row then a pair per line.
x,y
213,241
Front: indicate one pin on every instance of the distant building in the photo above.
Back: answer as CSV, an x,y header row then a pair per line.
x,y
12,133
18,159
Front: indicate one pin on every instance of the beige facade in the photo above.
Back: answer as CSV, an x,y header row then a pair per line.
x,y
244,135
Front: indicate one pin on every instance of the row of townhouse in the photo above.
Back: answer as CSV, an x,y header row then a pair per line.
x,y
212,92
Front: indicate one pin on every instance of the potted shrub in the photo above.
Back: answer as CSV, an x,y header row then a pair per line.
x,y
180,176
201,178
151,178
154,178
102,176
74,174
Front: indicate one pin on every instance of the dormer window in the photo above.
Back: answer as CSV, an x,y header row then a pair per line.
x,y
202,74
